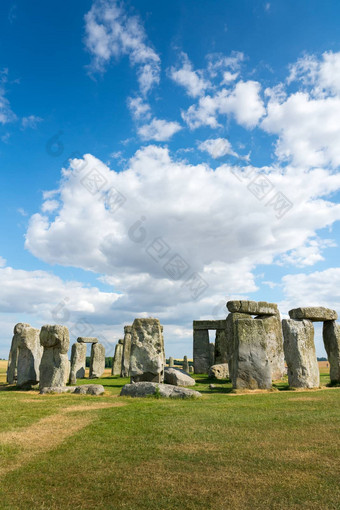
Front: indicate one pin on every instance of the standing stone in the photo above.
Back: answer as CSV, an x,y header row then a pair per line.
x,y
117,359
251,367
13,353
300,355
331,339
126,352
78,362
171,362
230,335
274,344
191,369
97,363
201,351
221,347
54,366
212,354
29,357
147,351
185,365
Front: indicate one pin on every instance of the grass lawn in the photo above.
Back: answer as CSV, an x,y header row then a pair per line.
x,y
278,450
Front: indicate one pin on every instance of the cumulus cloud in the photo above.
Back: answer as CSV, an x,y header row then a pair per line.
x,y
111,33
6,113
217,147
192,81
159,130
243,102
139,108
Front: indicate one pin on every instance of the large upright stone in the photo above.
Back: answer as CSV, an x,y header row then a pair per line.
x,y
13,353
251,367
274,344
29,357
185,365
78,362
212,354
231,335
126,352
221,346
300,355
201,351
252,307
331,339
313,313
54,366
171,362
147,351
117,359
97,362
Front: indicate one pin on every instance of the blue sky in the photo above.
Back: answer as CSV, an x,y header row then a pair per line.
x,y
160,158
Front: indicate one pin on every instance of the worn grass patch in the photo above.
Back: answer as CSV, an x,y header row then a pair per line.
x,y
273,450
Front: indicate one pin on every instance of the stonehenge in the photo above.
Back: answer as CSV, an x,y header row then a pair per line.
x,y
54,366
252,346
147,351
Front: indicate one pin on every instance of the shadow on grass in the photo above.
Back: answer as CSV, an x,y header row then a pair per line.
x,y
219,386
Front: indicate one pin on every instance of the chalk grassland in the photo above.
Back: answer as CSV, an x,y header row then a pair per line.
x,y
226,452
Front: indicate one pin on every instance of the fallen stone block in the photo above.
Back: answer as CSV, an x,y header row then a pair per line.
x,y
89,389
146,389
220,371
178,377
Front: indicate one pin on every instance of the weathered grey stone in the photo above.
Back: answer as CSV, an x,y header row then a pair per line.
x,y
331,339
147,351
201,351
171,362
126,352
299,349
86,389
89,389
87,340
78,362
231,346
209,324
13,353
220,371
117,359
252,307
29,356
221,346
54,366
145,389
313,313
191,369
177,377
185,365
251,368
97,362
57,389
274,342
212,354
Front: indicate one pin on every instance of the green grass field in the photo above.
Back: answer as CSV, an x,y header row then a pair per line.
x,y
277,450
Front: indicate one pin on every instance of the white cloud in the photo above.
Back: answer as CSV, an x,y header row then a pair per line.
x,y
217,147
50,205
219,63
139,108
243,103
159,130
6,113
31,121
323,75
111,33
191,80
